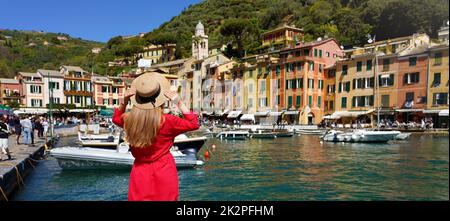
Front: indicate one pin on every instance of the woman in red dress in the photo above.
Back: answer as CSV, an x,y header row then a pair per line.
x,y
150,134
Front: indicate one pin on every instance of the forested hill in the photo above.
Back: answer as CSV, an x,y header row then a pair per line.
x,y
238,24
347,20
32,50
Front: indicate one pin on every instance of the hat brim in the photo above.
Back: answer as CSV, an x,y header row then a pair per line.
x,y
160,99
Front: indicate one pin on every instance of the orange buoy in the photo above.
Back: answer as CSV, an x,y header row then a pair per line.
x,y
206,154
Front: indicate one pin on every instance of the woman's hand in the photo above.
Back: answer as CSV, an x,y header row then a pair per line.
x,y
129,93
173,97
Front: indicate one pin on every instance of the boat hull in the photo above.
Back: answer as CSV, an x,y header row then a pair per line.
x,y
263,135
362,137
94,158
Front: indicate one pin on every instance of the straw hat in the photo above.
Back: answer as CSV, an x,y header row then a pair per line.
x,y
150,89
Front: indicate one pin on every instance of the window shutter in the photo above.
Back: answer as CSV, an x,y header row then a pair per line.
x,y
287,83
340,87
405,79
391,79
353,101
354,83
379,81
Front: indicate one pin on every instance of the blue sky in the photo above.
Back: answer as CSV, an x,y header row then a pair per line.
x,y
97,20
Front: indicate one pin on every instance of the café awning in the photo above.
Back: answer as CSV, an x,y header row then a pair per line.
x,y
431,111
234,114
443,113
291,112
275,114
409,110
339,114
248,117
261,113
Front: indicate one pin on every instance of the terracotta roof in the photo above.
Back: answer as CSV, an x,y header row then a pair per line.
x,y
309,44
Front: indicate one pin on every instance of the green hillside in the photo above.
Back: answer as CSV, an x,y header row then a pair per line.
x,y
30,50
238,24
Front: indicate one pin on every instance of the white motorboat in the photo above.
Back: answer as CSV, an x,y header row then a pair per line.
x,y
98,158
360,136
233,135
100,140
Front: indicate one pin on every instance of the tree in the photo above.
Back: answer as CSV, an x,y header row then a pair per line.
x,y
238,30
352,30
13,104
416,16
114,41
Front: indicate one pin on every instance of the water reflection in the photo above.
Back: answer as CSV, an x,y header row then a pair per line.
x,y
297,168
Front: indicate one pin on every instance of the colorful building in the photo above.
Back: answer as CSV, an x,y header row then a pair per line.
x,y
438,85
159,53
329,90
299,76
32,88
52,80
11,91
78,88
282,37
412,83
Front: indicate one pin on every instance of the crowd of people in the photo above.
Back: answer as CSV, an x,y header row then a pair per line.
x,y
25,128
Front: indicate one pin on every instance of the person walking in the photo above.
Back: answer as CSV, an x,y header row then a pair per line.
x,y
4,134
150,134
17,129
45,127
27,126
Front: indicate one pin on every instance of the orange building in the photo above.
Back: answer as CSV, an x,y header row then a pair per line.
x,y
412,85
299,78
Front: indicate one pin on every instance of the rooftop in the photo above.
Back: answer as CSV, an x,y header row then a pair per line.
x,y
283,28
73,68
9,81
51,73
28,74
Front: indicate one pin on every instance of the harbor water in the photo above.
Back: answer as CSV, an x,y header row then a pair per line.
x,y
297,168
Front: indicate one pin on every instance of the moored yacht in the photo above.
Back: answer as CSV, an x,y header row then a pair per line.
x,y
360,136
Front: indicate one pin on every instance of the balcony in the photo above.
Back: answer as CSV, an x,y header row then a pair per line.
x,y
78,93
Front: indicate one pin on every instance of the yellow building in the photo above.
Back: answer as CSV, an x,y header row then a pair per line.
x,y
438,85
354,88
159,53
282,37
330,90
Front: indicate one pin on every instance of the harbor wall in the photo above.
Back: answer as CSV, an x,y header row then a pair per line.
x,y
14,172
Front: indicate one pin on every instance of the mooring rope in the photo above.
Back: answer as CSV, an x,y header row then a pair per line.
x,y
29,161
3,193
19,177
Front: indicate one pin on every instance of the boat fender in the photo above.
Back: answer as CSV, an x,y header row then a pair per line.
x,y
206,154
213,146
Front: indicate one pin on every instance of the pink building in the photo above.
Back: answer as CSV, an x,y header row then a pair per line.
x,y
108,91
10,91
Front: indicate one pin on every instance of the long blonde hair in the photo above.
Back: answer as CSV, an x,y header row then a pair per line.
x,y
142,126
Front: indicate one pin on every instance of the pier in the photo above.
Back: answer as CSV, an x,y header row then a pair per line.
x,y
24,159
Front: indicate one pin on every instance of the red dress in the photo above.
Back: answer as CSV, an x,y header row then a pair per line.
x,y
154,174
